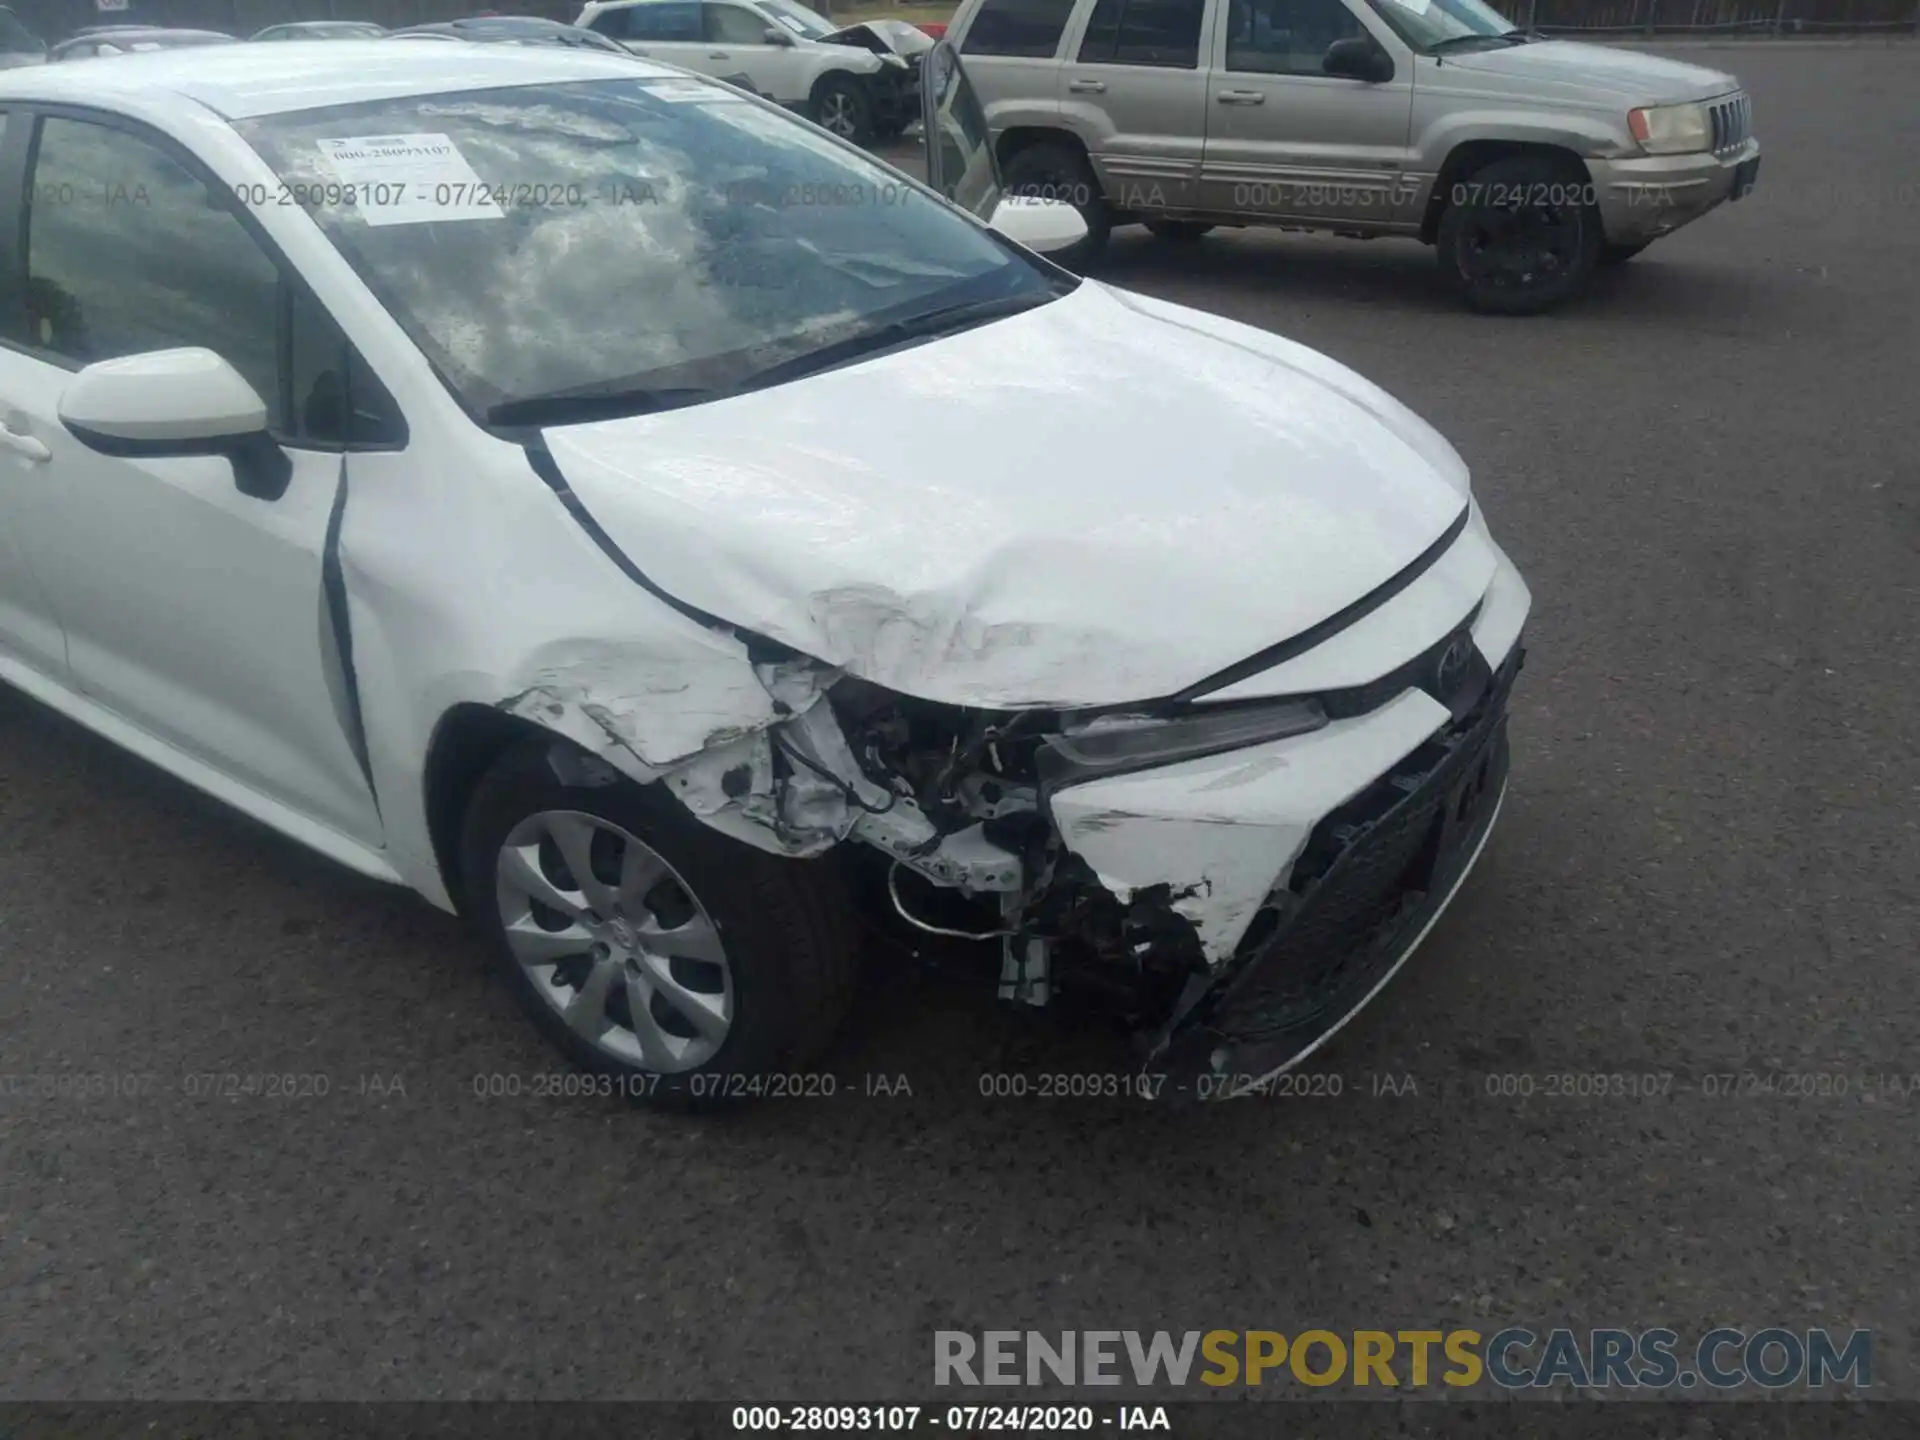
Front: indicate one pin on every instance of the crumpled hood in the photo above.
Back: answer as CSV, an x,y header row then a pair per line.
x,y
1098,501
1575,66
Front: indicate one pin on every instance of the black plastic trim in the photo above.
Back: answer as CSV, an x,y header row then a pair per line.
x,y
543,464
1318,634
333,585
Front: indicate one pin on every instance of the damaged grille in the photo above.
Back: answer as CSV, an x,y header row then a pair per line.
x,y
1367,873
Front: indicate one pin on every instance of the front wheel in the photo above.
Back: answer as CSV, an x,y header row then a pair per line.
x,y
1052,170
680,964
841,104
1520,236
1178,231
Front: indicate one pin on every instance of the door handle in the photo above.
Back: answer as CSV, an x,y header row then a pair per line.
x,y
1087,87
1242,97
24,445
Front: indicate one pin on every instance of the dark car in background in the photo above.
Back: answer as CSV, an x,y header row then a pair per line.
x,y
19,45
126,39
322,30
511,30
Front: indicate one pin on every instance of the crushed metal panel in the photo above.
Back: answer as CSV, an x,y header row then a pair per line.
x,y
1221,832
644,707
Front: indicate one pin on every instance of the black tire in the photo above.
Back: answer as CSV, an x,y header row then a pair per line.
x,y
841,104
1178,231
1524,238
1054,170
1620,254
782,924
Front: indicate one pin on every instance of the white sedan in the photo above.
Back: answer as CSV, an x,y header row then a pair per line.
x,y
589,496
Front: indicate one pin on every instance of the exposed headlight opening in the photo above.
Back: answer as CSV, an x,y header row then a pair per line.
x,y
1671,129
1112,744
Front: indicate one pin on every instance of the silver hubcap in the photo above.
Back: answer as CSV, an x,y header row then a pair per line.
x,y
836,114
615,941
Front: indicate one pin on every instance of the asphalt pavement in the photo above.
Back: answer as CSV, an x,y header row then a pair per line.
x,y
1706,868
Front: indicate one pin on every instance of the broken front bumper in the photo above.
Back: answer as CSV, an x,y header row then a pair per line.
x,y
1308,867
1373,879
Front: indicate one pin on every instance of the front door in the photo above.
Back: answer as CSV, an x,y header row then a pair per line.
x,y
1138,86
192,611
1287,140
737,45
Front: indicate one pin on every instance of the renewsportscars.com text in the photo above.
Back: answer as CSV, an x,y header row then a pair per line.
x,y
1513,1358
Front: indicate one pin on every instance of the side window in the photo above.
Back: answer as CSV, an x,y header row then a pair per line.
x,y
1144,32
127,251
735,25
611,23
663,22
1286,37
336,398
1018,27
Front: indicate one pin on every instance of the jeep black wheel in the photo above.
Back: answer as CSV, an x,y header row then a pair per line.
x,y
1520,235
1054,170
1179,231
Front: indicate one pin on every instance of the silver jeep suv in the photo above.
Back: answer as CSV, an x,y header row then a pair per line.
x,y
1526,161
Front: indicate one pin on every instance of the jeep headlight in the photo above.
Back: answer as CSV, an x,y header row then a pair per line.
x,y
1671,129
1116,743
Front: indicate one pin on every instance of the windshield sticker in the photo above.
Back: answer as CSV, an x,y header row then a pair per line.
x,y
408,179
688,92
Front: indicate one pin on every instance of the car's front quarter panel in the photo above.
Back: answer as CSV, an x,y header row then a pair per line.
x,y
824,59
469,583
1453,110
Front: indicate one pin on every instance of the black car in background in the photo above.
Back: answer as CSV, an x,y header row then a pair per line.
x,y
322,30
125,39
18,44
511,30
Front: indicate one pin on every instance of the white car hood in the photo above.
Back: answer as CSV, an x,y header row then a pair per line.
x,y
1099,501
1628,75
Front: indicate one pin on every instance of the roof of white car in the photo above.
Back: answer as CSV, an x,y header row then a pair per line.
x,y
243,81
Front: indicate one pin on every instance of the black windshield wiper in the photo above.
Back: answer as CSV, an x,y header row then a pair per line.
x,y
1521,37
578,407
1441,45
945,320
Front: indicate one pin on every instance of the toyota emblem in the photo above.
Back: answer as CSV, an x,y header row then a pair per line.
x,y
1453,664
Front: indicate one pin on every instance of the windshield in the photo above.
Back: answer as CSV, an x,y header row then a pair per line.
x,y
617,235
1424,24
796,17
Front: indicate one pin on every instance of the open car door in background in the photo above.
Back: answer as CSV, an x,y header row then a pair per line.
x,y
961,164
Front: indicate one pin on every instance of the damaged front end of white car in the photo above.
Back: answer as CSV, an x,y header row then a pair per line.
x,y
1236,864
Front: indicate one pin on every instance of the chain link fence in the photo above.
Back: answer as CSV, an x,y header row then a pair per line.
x,y
54,19
1716,17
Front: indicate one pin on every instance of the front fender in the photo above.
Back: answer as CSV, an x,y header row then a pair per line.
x,y
826,60
1587,135
481,589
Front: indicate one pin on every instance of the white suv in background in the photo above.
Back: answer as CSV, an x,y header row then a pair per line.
x,y
780,48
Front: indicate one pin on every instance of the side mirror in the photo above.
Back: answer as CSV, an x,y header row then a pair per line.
x,y
780,39
169,403
1040,225
1358,58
